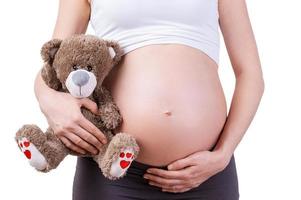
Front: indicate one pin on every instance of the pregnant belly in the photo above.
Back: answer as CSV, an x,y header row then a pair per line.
x,y
170,99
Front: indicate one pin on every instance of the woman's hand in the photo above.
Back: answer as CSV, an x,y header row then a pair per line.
x,y
189,172
65,118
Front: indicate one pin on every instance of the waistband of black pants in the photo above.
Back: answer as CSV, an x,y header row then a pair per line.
x,y
144,166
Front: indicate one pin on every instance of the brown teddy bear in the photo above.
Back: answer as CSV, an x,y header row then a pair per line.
x,y
78,65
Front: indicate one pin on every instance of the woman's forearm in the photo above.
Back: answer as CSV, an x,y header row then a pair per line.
x,y
41,89
245,101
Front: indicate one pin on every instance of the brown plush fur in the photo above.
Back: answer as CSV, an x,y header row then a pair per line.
x,y
59,57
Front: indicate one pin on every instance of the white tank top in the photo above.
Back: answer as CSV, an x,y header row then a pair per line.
x,y
136,23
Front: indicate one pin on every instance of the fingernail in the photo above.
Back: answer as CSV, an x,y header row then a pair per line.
x,y
145,176
149,170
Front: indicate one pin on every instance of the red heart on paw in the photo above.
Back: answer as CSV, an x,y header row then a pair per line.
x,y
26,144
128,155
27,154
121,155
124,164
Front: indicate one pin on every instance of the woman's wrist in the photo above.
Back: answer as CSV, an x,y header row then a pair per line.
x,y
223,155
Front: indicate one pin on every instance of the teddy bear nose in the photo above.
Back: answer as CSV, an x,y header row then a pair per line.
x,y
80,78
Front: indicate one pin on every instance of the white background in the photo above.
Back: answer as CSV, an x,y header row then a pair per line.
x,y
268,158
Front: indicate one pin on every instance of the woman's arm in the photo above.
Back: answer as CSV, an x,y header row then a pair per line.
x,y
189,172
75,131
242,49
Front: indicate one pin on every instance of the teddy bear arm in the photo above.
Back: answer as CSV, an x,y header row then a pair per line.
x,y
110,116
109,111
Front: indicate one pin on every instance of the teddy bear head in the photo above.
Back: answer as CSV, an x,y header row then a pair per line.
x,y
78,64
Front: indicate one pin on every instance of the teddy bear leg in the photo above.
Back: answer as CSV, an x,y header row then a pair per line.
x,y
23,139
43,150
122,150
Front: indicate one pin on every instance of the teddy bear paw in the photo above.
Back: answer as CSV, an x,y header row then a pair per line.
x,y
36,159
123,162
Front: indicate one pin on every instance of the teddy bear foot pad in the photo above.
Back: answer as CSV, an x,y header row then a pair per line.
x,y
36,159
122,163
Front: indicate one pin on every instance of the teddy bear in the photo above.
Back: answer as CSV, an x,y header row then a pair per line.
x,y
78,65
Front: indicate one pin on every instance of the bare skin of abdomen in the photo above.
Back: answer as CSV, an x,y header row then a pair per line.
x,y
171,101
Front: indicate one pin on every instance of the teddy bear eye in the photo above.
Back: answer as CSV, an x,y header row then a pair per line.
x,y
74,67
89,68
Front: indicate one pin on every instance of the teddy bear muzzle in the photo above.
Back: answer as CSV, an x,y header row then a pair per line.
x,y
81,83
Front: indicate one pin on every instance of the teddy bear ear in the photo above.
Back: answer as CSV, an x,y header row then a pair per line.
x,y
49,50
112,52
115,51
48,73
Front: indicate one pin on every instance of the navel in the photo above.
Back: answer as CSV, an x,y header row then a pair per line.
x,y
167,112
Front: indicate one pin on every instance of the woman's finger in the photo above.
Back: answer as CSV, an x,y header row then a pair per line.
x,y
91,128
182,163
171,188
163,181
179,174
82,139
87,136
91,105
177,189
71,146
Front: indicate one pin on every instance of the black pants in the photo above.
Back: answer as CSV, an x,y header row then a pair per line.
x,y
90,184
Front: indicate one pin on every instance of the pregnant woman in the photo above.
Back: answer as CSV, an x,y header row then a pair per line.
x,y
169,94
